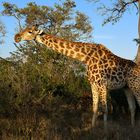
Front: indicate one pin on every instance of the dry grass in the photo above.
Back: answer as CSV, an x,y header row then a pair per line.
x,y
45,129
60,121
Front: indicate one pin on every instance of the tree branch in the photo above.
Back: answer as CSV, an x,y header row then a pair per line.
x,y
123,5
117,11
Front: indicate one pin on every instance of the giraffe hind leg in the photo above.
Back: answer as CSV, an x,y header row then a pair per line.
x,y
131,103
103,100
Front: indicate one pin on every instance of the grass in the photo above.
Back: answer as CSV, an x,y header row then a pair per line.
x,y
58,120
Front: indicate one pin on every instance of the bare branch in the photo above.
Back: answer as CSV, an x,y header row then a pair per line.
x,y
116,11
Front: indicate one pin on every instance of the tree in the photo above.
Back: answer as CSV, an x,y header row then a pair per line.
x,y
115,12
41,70
2,32
58,20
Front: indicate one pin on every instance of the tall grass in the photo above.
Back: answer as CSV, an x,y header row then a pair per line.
x,y
56,119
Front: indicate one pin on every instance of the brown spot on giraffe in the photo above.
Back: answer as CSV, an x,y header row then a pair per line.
x,y
61,44
72,52
100,53
55,41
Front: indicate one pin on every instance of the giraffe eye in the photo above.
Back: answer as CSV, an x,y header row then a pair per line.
x,y
30,31
17,39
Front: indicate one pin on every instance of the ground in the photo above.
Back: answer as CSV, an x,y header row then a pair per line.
x,y
61,120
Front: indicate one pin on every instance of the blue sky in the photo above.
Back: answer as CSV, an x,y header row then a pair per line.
x,y
118,38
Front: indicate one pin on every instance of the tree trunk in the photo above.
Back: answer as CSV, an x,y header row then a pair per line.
x,y
137,59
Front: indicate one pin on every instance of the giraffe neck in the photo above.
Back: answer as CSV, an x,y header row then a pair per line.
x,y
67,48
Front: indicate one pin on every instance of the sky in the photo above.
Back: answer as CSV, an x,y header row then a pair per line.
x,y
118,38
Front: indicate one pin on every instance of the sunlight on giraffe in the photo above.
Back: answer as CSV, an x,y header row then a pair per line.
x,y
105,70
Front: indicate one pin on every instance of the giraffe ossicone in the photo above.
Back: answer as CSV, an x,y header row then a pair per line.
x,y
105,72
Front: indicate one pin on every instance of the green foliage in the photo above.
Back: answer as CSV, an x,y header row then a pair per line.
x,y
38,71
62,19
43,70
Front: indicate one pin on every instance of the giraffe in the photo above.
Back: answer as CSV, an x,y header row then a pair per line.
x,y
105,70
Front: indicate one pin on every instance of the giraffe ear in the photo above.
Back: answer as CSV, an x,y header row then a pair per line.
x,y
35,28
40,32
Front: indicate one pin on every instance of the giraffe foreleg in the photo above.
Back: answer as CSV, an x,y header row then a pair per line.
x,y
95,99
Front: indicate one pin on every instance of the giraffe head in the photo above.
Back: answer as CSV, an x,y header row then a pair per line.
x,y
28,34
